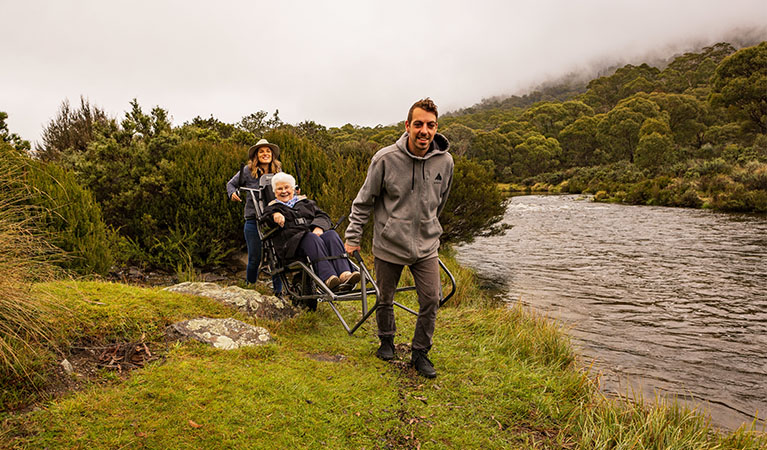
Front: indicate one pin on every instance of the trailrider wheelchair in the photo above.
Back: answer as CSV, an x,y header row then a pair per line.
x,y
299,280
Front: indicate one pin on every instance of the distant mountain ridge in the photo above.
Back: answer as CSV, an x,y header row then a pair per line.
x,y
569,86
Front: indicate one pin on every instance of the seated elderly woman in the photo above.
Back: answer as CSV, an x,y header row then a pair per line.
x,y
306,232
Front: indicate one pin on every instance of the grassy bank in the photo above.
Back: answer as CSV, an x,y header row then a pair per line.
x,y
507,379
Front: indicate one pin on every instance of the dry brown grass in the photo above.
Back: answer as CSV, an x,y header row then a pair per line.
x,y
25,257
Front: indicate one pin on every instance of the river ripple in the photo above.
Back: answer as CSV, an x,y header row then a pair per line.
x,y
662,299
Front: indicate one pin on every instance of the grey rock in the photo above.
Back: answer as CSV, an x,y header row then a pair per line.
x,y
212,277
246,300
67,367
226,334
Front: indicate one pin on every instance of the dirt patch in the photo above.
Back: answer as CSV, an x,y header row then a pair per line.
x,y
326,357
409,388
231,272
120,357
88,363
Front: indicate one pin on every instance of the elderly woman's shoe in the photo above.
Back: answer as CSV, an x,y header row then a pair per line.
x,y
332,282
349,279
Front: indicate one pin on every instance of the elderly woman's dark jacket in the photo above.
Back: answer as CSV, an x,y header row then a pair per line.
x,y
302,218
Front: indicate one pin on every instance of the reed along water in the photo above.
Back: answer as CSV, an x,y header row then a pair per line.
x,y
663,300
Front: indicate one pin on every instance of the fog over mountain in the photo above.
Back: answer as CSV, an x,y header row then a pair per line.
x,y
333,62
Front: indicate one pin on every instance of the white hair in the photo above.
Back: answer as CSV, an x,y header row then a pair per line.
x,y
282,177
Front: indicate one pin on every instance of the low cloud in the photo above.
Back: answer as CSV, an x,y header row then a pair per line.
x,y
332,62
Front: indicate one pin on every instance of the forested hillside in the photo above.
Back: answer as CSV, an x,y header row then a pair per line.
x,y
692,134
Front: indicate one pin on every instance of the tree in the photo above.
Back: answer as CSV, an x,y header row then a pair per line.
x,y
618,132
514,126
145,126
550,118
604,93
686,117
740,84
537,154
654,150
255,123
213,130
691,71
494,147
314,132
12,139
72,130
460,138
579,142
545,117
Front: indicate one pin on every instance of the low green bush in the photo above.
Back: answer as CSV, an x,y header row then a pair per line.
x,y
74,219
753,175
738,199
65,212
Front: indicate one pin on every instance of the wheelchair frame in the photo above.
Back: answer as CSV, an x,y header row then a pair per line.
x,y
306,287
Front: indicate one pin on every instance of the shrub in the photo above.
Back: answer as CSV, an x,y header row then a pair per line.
x,y
196,222
738,199
66,213
601,196
712,184
640,193
715,166
753,175
684,195
475,203
74,219
314,165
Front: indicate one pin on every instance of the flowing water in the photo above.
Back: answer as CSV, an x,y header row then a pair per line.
x,y
663,300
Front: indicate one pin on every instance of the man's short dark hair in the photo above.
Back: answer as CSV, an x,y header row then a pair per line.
x,y
426,105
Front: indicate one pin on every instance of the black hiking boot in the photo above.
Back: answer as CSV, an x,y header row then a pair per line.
x,y
422,364
386,350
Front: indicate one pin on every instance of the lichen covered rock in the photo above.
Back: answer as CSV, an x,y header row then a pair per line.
x,y
226,334
246,300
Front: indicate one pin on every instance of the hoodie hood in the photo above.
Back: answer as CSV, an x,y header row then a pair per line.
x,y
439,146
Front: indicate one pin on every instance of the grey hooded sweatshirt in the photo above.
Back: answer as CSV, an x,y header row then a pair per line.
x,y
406,193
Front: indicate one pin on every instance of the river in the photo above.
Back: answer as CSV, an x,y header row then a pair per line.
x,y
662,300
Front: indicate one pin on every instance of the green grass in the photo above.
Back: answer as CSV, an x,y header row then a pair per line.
x,y
507,378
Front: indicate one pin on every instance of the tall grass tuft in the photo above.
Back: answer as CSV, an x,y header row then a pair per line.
x,y
664,423
24,257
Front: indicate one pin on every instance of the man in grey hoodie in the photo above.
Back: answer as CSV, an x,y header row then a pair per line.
x,y
406,188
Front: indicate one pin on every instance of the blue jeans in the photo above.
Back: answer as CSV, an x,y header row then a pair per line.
x,y
254,255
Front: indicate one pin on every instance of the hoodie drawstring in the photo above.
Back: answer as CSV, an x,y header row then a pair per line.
x,y
423,173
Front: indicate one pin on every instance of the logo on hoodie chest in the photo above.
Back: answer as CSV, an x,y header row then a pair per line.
x,y
438,179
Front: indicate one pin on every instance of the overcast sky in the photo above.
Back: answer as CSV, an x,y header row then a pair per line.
x,y
334,62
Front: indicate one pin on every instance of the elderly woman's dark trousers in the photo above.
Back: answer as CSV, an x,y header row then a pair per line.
x,y
319,247
427,285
